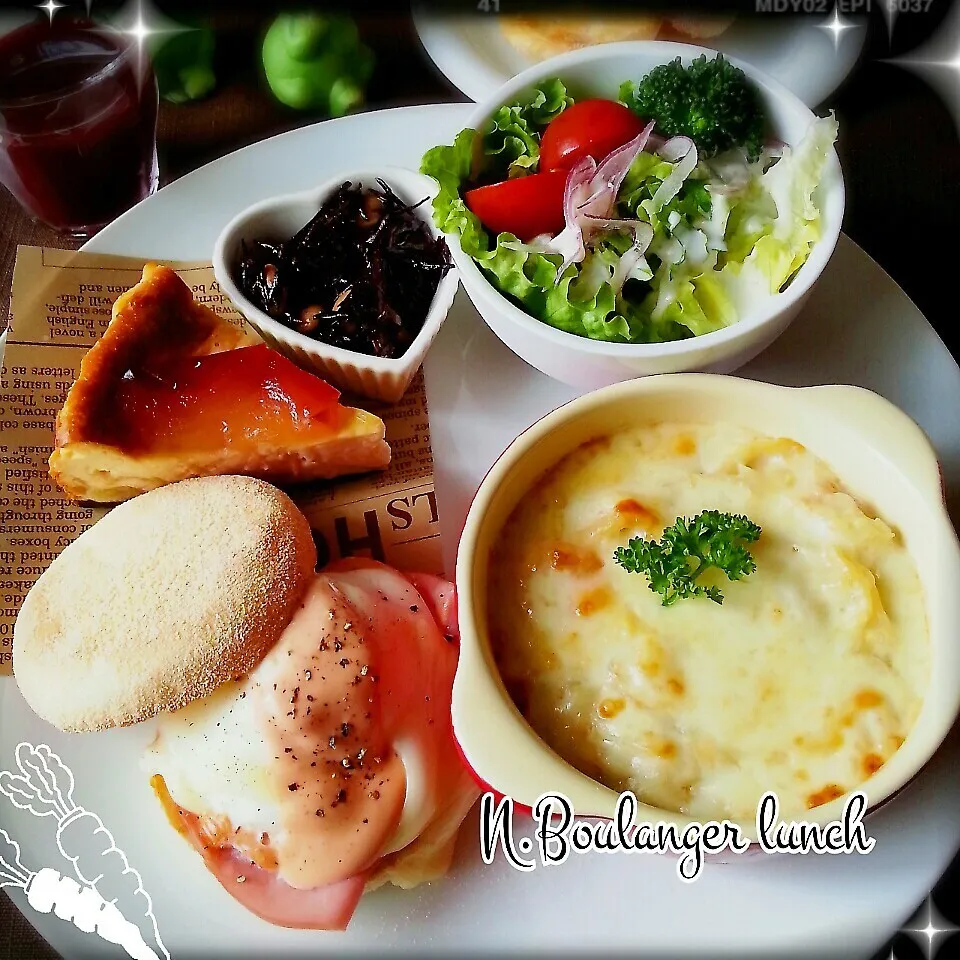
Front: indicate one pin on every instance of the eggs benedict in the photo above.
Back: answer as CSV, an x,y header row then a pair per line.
x,y
304,745
309,780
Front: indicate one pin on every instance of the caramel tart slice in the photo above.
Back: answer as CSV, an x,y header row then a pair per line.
x,y
172,390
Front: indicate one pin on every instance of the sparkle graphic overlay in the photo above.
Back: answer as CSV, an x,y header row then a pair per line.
x,y
50,8
937,61
930,929
890,10
140,21
836,27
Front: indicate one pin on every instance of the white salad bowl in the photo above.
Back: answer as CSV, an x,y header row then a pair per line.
x,y
877,452
588,364
279,218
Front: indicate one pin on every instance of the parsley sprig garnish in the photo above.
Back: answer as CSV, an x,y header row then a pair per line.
x,y
688,549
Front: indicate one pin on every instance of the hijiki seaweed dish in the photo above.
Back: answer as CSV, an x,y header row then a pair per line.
x,y
361,275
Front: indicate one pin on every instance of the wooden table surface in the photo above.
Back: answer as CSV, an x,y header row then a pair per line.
x,y
899,150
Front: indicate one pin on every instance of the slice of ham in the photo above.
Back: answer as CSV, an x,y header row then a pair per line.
x,y
262,890
264,893
439,595
441,598
258,889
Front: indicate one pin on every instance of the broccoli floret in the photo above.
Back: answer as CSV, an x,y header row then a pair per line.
x,y
711,101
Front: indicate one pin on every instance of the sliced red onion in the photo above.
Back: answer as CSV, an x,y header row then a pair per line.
x,y
655,142
639,228
580,176
590,197
569,243
642,238
614,167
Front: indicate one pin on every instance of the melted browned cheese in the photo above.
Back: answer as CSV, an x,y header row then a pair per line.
x,y
804,681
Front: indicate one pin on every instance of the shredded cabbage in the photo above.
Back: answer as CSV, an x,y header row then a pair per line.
x,y
786,239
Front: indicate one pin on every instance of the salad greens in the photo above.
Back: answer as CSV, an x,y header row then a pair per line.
x,y
578,301
514,135
723,231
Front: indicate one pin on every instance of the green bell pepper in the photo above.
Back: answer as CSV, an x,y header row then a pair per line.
x,y
315,61
183,64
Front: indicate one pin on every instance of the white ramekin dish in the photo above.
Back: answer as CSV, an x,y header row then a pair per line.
x,y
279,218
877,452
588,364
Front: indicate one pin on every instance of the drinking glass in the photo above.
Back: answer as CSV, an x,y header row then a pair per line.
x,y
78,123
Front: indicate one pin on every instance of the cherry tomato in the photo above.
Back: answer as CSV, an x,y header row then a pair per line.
x,y
526,206
589,128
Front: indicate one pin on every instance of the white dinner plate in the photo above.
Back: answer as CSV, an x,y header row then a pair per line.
x,y
473,54
858,328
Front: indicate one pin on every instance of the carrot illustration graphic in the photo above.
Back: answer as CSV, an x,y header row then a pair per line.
x,y
47,891
44,786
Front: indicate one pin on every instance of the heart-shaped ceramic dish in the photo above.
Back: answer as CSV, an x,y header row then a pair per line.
x,y
279,218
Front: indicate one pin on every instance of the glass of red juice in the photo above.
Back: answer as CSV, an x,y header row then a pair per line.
x,y
78,123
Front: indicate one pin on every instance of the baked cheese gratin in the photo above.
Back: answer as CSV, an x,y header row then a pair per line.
x,y
805,680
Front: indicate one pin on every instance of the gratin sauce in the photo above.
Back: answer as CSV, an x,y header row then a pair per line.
x,y
805,681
